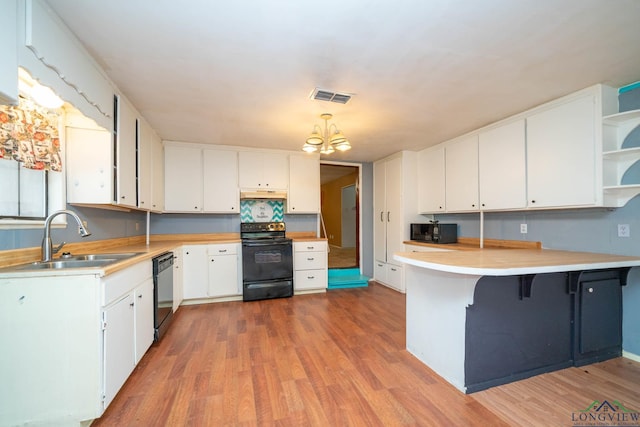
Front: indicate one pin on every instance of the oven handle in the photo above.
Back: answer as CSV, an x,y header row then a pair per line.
x,y
266,243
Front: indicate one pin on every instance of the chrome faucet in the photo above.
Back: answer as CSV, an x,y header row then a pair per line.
x,y
47,249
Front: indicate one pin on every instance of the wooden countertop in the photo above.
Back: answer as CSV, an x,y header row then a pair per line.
x,y
507,262
158,245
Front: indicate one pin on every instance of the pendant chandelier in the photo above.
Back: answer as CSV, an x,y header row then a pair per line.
x,y
326,140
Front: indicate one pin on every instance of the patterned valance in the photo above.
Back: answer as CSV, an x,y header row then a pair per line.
x,y
29,134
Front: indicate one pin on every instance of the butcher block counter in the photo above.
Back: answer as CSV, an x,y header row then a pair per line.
x,y
485,317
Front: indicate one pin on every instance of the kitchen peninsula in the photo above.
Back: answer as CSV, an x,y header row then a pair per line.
x,y
485,317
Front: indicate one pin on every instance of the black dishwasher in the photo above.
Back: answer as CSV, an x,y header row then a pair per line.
x,y
162,293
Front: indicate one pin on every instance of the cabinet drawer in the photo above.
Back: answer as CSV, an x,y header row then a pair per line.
x,y
310,279
119,283
310,246
223,249
310,260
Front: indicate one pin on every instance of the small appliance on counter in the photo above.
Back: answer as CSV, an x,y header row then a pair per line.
x,y
434,233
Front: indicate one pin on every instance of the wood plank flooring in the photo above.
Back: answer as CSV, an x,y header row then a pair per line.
x,y
334,359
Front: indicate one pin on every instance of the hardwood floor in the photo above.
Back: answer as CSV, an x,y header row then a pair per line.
x,y
334,359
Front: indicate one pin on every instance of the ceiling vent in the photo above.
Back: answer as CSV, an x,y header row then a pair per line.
x,y
327,95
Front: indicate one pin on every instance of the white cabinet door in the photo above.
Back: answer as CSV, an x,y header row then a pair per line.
x,y
144,329
379,212
394,277
561,155
502,167
145,165
178,292
126,151
220,181
431,184
183,179
195,278
394,215
262,170
157,174
304,184
223,275
9,63
276,170
461,172
89,166
119,359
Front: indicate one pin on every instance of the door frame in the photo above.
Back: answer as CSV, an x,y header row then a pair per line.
x,y
358,206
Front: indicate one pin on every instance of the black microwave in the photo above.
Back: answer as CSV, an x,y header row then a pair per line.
x,y
434,233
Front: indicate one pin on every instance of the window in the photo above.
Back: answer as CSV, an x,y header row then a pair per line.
x,y
25,191
30,164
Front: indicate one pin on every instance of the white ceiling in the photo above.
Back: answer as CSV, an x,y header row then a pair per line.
x,y
422,71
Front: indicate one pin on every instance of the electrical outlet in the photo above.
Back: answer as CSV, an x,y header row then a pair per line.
x,y
523,228
624,230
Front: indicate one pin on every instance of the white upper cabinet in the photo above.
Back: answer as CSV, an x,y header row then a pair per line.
x,y
157,173
263,170
502,167
561,155
461,171
431,184
304,184
145,165
126,136
183,178
89,176
9,63
220,181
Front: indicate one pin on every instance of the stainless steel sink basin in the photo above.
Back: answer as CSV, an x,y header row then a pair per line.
x,y
74,261
95,257
55,265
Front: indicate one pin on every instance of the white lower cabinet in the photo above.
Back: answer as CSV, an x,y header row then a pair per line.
x,y
144,308
310,266
224,274
389,275
70,342
211,271
195,273
127,324
118,341
178,292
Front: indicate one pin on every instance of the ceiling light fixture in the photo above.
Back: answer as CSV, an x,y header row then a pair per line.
x,y
328,140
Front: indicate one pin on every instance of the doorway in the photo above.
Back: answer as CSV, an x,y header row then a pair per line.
x,y
340,213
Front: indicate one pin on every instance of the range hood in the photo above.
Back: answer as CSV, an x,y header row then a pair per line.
x,y
263,194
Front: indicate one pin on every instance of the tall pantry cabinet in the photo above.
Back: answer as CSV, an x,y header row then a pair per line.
x,y
395,202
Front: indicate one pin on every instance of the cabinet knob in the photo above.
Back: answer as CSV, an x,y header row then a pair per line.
x,y
222,251
131,305
533,201
311,277
122,197
310,247
590,290
310,259
473,205
212,260
140,296
483,205
439,207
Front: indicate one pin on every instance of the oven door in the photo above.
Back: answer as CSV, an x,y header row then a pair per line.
x,y
266,259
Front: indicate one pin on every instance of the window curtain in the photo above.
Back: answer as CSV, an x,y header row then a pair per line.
x,y
29,135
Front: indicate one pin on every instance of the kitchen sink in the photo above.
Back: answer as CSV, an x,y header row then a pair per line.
x,y
74,261
98,257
